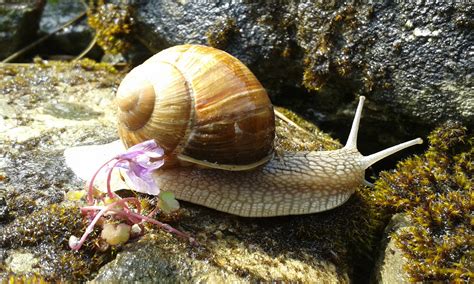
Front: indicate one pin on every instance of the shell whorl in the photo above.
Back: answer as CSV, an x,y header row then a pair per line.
x,y
208,107
136,101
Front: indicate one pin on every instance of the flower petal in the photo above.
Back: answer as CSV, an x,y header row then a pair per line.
x,y
143,183
146,150
147,145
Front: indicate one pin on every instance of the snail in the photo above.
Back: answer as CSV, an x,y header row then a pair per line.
x,y
216,124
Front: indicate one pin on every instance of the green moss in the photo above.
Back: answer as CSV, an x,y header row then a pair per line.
x,y
307,137
220,33
436,191
91,65
113,23
47,233
19,205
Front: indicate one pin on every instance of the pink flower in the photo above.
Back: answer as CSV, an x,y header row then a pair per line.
x,y
139,162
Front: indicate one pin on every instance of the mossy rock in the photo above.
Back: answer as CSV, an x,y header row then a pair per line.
x,y
434,192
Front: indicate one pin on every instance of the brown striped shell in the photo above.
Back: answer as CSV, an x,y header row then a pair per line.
x,y
201,104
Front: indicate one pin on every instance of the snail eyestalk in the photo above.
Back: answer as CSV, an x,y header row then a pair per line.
x,y
352,139
367,161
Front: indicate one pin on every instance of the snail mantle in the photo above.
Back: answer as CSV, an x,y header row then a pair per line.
x,y
179,98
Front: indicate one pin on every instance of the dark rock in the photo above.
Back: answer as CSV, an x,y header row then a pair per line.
x,y
412,61
18,24
424,60
3,209
71,40
259,35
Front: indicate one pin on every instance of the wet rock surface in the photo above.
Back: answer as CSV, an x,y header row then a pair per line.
x,y
73,39
256,34
50,107
40,118
413,61
19,22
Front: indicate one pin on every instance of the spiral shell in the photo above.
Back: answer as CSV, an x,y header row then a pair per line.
x,y
201,105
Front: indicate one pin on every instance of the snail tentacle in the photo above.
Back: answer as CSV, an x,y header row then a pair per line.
x,y
367,161
352,139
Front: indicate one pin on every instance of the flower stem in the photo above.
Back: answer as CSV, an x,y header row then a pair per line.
x,y
165,227
102,211
109,177
90,199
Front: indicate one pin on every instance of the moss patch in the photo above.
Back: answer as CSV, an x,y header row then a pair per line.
x,y
221,32
47,232
332,42
436,191
113,24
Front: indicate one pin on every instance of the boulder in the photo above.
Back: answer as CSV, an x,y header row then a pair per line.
x,y
18,25
413,61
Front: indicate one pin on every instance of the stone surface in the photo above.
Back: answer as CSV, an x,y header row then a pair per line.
x,y
389,266
151,258
413,61
47,107
21,262
256,34
73,39
52,106
18,24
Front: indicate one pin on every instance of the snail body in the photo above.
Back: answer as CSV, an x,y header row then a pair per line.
x,y
206,109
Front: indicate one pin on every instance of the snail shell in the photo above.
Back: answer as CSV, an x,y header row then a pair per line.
x,y
201,105
204,107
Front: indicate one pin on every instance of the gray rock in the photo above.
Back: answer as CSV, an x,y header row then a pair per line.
x,y
21,262
389,266
424,54
71,40
18,24
412,61
256,34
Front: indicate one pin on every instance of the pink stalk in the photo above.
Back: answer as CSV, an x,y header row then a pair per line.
x,y
109,177
90,199
91,226
165,227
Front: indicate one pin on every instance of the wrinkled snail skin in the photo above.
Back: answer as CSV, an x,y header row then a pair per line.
x,y
206,109
293,183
